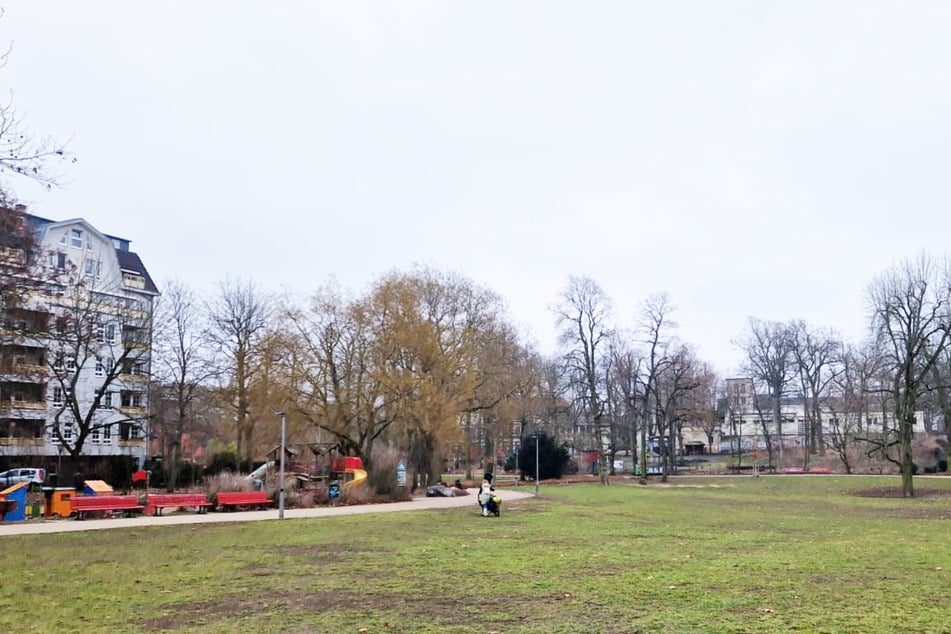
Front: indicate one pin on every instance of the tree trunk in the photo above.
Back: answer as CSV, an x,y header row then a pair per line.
x,y
905,429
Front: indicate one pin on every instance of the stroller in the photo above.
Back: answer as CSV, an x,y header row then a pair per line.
x,y
494,505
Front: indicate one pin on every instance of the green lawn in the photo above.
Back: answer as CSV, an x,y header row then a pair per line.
x,y
738,555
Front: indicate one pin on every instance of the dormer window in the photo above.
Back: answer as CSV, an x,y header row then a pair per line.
x,y
133,280
76,239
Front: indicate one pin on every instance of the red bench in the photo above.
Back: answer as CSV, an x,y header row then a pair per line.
x,y
159,501
243,498
128,504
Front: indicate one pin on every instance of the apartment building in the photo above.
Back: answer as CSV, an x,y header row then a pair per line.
x,y
75,343
748,419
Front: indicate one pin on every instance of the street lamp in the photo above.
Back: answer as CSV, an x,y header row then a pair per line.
x,y
280,499
536,465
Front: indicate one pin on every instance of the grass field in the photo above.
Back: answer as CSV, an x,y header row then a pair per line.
x,y
771,554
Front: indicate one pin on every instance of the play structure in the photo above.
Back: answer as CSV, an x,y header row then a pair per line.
x,y
13,502
325,465
348,470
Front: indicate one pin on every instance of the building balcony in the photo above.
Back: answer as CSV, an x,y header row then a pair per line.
x,y
21,442
24,373
134,281
134,443
8,407
133,378
133,412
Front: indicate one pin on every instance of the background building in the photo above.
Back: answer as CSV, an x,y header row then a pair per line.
x,y
75,347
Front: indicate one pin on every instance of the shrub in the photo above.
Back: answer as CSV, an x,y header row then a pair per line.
x,y
294,496
225,482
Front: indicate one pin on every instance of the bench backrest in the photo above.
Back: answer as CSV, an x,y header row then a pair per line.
x,y
185,499
103,501
242,497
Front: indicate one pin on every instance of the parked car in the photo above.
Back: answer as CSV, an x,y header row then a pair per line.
x,y
13,476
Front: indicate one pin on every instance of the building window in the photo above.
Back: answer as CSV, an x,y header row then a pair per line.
x,y
76,239
129,431
111,333
107,400
109,364
138,369
67,431
57,397
61,261
107,432
70,364
93,268
100,334
100,368
132,399
94,435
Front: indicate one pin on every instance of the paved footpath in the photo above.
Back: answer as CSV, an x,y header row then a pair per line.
x,y
37,527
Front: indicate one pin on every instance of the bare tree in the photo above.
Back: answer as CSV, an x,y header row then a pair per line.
x,y
853,387
625,395
817,357
655,324
239,317
582,314
676,380
182,366
768,348
337,382
940,396
911,319
701,403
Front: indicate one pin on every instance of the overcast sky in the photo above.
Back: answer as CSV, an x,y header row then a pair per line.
x,y
748,158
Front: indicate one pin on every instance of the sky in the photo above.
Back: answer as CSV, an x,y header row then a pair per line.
x,y
760,159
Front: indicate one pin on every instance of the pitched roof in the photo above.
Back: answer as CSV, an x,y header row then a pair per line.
x,y
129,261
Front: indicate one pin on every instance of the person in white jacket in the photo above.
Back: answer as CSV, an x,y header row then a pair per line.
x,y
486,491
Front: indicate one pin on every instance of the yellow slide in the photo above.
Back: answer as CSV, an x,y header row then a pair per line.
x,y
359,478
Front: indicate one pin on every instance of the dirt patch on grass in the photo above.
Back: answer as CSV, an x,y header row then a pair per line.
x,y
896,492
191,615
911,512
321,551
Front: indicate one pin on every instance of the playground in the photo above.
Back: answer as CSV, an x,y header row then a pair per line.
x,y
325,480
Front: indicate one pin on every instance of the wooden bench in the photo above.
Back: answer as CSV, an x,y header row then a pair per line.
x,y
128,504
159,501
243,498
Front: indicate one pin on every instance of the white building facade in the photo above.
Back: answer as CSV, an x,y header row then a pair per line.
x,y
75,348
748,420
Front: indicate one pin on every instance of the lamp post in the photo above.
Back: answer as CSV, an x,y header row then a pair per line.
x,y
280,498
536,465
